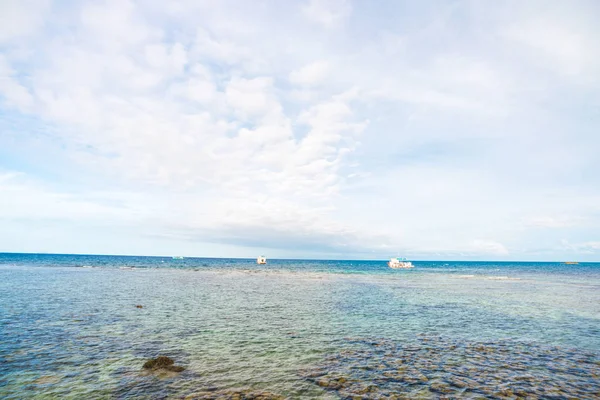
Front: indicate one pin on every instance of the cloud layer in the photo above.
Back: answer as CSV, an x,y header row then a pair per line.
x,y
313,129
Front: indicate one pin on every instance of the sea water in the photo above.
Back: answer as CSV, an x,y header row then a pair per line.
x,y
70,328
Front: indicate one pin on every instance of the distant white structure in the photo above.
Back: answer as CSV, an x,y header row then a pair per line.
x,y
261,260
399,263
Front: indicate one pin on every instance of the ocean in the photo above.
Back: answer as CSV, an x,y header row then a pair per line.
x,y
82,327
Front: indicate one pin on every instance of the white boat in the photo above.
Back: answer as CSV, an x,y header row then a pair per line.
x,y
177,258
399,263
261,260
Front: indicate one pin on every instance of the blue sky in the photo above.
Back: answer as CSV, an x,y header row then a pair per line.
x,y
314,128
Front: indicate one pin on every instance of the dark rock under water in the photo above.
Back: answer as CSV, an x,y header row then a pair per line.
x,y
162,363
438,367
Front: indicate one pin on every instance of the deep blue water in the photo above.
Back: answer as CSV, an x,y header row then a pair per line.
x,y
70,328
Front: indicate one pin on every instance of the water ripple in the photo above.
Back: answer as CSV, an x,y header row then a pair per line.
x,y
438,366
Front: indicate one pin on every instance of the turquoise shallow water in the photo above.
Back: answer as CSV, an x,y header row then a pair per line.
x,y
300,329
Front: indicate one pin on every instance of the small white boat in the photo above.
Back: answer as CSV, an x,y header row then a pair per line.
x,y
399,263
177,258
261,260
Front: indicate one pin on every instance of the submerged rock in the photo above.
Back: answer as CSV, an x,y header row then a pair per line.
x,y
332,383
440,387
439,367
162,363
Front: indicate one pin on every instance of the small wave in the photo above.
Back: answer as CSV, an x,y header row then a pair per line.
x,y
488,277
502,278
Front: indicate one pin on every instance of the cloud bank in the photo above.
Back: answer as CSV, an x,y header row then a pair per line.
x,y
309,129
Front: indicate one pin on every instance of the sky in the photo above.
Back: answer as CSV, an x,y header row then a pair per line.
x,y
438,130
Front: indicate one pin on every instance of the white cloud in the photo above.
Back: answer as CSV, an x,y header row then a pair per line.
x,y
20,18
252,97
15,95
220,50
328,13
450,82
21,198
489,247
115,24
590,247
8,176
244,124
228,132
170,60
198,90
554,222
310,74
560,40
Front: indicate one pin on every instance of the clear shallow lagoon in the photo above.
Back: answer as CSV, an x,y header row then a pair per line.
x,y
69,327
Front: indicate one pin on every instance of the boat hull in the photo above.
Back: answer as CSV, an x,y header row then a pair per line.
x,y
400,265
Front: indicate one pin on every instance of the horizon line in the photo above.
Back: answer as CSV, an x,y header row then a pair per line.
x,y
291,259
